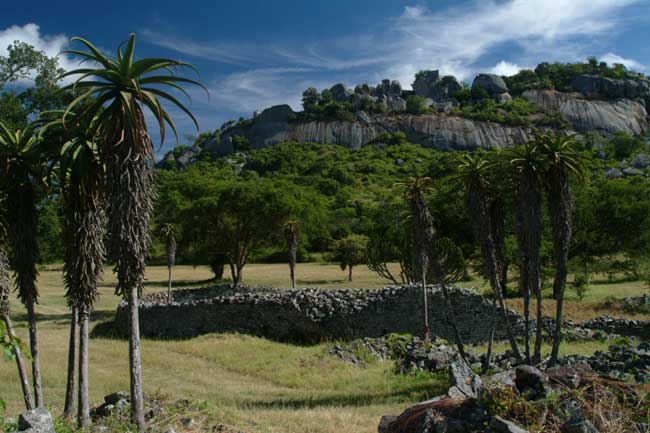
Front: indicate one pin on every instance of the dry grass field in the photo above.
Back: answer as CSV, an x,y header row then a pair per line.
x,y
252,383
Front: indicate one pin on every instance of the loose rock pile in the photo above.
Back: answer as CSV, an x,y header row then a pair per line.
x,y
620,362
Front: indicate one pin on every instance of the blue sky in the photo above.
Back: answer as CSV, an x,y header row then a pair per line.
x,y
256,53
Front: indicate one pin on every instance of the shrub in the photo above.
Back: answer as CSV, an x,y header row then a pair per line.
x,y
416,104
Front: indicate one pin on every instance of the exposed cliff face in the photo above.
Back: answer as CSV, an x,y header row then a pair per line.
x,y
442,131
622,115
432,130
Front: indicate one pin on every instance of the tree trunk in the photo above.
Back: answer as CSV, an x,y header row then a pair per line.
x,y
504,280
137,401
33,346
22,371
349,273
451,317
526,296
425,308
71,384
292,264
488,354
537,357
169,283
83,416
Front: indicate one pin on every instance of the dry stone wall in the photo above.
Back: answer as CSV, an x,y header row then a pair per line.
x,y
312,315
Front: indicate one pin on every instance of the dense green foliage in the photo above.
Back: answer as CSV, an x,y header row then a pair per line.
x,y
343,191
558,76
515,112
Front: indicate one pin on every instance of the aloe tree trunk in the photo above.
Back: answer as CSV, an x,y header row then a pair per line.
x,y
4,312
22,223
452,319
83,417
293,246
529,236
171,260
560,205
131,193
71,384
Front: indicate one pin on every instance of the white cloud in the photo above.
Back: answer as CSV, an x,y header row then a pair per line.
x,y
506,68
51,45
612,59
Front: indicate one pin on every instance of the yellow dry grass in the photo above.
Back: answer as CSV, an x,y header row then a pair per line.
x,y
255,384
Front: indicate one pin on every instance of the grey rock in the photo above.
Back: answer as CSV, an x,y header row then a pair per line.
x,y
170,429
492,83
585,115
424,82
98,428
642,160
531,382
506,377
363,117
504,97
500,425
464,382
340,93
444,89
592,85
613,173
632,172
36,421
395,104
578,425
399,162
385,422
116,397
395,88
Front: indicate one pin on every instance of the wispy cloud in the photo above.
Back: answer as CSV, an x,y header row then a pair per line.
x,y
456,40
612,59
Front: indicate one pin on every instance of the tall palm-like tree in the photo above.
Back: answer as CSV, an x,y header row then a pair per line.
x,y
122,89
168,232
4,313
563,163
21,164
422,232
447,267
528,169
81,179
482,203
291,234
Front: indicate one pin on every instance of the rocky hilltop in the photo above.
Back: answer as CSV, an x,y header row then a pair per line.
x,y
493,112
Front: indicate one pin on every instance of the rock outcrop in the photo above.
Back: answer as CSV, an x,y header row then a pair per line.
x,y
438,131
622,115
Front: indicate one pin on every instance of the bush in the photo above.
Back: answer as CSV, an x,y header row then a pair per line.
x,y
416,104
581,282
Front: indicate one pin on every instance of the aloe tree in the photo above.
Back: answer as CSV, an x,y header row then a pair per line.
x,y
482,204
122,89
447,267
528,168
563,163
422,232
291,233
12,342
81,180
168,232
22,169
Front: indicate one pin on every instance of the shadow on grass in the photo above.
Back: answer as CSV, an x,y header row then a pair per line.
x,y
318,282
180,283
107,330
100,315
418,392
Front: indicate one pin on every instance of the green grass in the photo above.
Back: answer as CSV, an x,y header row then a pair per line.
x,y
252,383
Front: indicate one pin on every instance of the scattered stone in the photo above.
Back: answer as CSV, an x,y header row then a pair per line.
x,y
464,382
116,397
630,171
578,425
36,421
640,161
500,425
613,173
531,382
